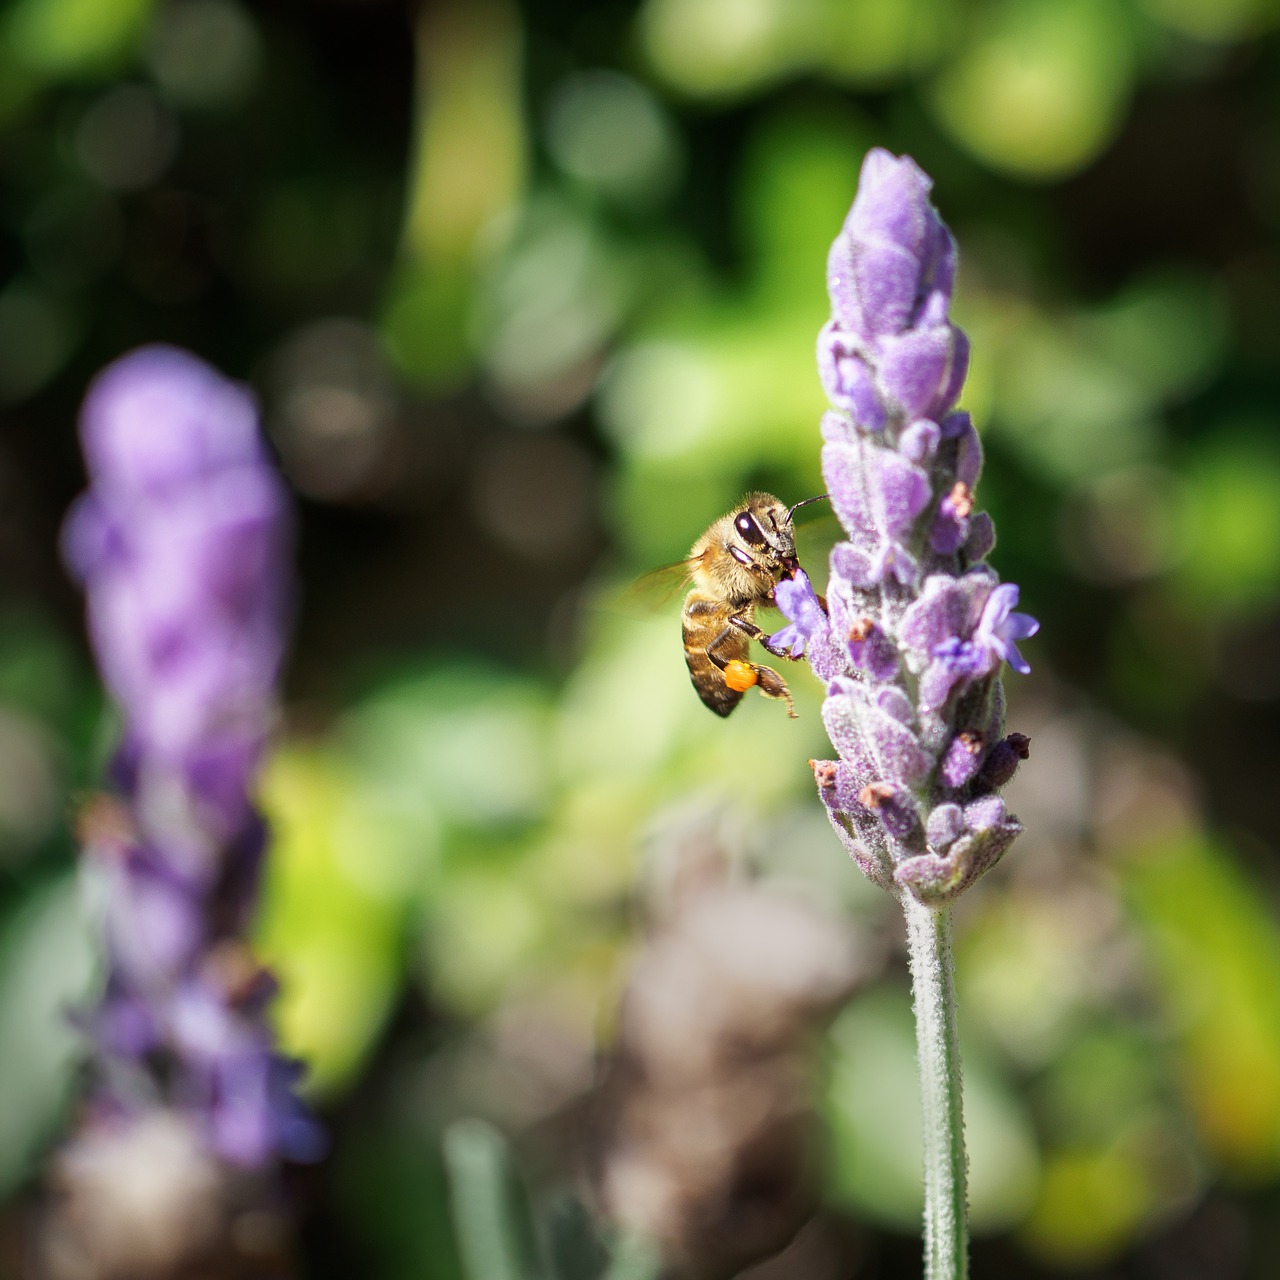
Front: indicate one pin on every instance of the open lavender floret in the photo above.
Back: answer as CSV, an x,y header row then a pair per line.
x,y
918,628
183,543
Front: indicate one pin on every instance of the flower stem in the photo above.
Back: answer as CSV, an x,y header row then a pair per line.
x,y
946,1234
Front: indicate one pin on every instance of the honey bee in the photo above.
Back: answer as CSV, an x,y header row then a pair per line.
x,y
734,568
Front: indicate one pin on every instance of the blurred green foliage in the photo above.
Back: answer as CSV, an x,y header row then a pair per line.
x,y
530,291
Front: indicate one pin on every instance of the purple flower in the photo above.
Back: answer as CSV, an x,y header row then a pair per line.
x,y
797,599
917,627
183,545
999,629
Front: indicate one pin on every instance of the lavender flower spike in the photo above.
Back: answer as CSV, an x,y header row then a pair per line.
x,y
183,543
920,624
917,627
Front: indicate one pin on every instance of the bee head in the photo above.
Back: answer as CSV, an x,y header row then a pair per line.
x,y
762,526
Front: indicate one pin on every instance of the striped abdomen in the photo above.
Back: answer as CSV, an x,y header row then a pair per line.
x,y
705,618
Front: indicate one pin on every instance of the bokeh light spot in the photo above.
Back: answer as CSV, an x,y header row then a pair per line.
x,y
1042,90
205,53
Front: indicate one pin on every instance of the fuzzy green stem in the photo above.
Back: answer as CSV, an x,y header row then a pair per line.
x,y
946,1232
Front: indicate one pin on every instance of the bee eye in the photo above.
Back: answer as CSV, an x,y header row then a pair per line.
x,y
747,527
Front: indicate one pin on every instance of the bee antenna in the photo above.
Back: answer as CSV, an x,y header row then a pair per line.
x,y
804,503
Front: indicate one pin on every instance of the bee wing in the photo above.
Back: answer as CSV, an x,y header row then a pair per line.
x,y
652,590
664,581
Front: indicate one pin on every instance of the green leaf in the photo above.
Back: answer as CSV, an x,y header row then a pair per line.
x,y
46,969
490,1224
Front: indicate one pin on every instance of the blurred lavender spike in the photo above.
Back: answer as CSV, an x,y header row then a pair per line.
x,y
917,628
183,544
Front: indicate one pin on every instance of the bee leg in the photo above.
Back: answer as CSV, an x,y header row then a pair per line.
x,y
756,634
740,675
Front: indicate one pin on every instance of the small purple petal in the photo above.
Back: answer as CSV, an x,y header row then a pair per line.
x,y
797,601
999,628
947,609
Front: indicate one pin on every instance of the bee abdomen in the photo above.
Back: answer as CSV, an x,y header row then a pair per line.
x,y
704,621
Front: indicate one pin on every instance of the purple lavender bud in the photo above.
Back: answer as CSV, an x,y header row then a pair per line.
x,y
158,419
897,811
877,494
982,538
894,702
183,545
985,813
921,371
918,626
860,831
945,825
871,651
989,832
847,376
946,609
951,523
919,442
959,427
895,749
961,760
122,1024
156,930
893,254
1002,762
